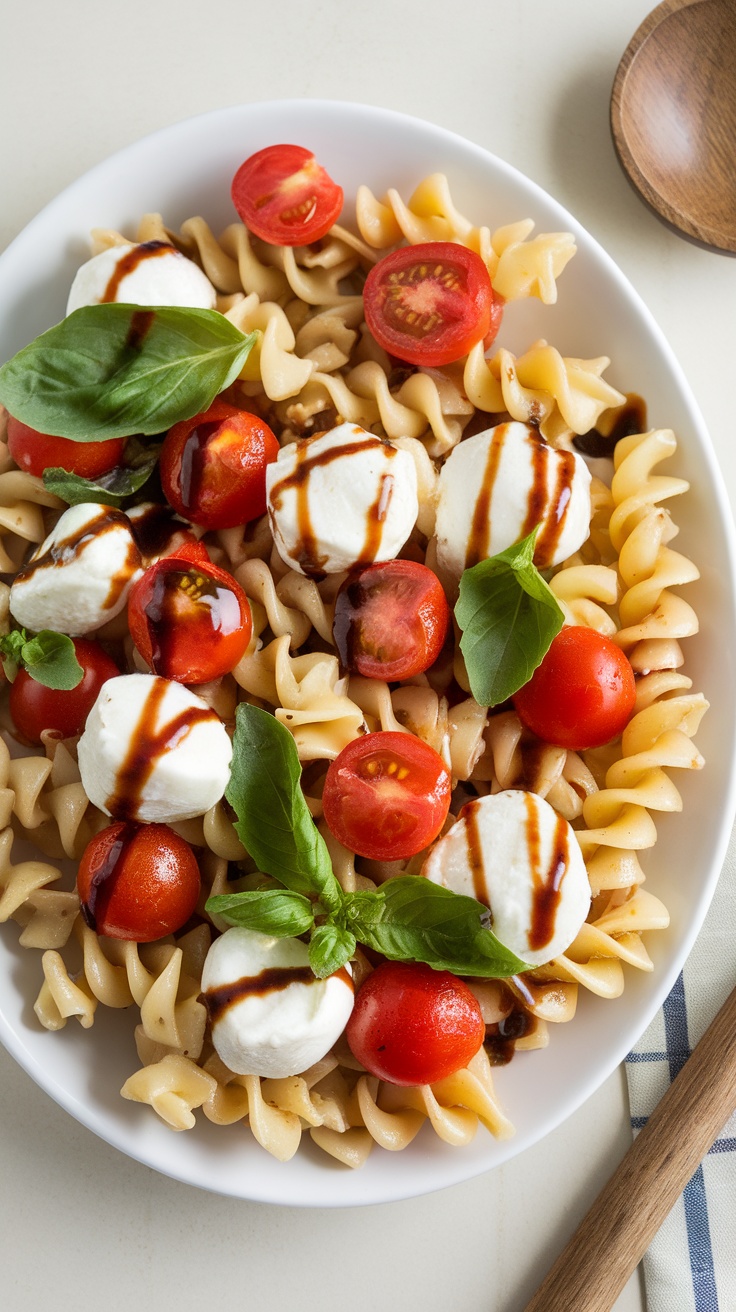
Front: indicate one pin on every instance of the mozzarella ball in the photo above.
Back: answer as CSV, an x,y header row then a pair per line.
x,y
270,1016
495,487
341,499
515,854
80,576
153,751
151,273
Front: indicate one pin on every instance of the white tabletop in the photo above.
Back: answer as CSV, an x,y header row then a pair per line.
x,y
81,1225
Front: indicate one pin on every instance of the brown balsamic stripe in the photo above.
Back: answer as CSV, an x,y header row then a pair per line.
x,y
271,980
475,851
147,746
631,418
146,251
103,881
480,528
62,551
307,555
375,519
554,520
547,890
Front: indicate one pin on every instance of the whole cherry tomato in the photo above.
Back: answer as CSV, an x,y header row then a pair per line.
x,y
386,795
414,1025
189,619
429,304
35,452
137,881
35,707
582,694
391,620
284,196
213,466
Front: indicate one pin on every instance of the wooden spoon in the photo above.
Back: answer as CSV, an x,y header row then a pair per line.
x,y
673,117
594,1267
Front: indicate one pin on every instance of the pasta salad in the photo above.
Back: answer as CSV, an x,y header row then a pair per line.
x,y
309,544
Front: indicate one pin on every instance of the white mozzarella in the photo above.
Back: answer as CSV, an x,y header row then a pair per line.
x,y
514,853
152,273
496,486
271,1025
153,751
341,499
80,576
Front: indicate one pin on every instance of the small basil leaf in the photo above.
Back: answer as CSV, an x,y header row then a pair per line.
x,y
274,911
11,646
274,822
508,616
111,489
364,909
50,659
114,370
422,921
329,948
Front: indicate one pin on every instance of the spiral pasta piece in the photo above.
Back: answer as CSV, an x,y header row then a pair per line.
x,y
560,396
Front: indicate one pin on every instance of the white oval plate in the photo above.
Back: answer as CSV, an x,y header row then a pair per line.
x,y
185,170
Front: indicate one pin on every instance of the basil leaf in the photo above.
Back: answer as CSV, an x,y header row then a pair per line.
x,y
329,948
274,911
115,370
50,659
11,646
274,823
422,921
111,489
508,616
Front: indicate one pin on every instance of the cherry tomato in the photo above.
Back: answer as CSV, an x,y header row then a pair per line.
x,y
35,452
414,1025
189,619
386,795
391,620
213,466
284,196
35,707
137,882
428,304
582,694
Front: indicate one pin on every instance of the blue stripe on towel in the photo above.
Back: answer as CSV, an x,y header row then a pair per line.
x,y
694,1198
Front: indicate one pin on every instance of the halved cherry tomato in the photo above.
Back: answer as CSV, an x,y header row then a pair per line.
x,y
582,694
387,795
137,882
34,452
414,1025
213,466
391,620
35,707
284,196
189,619
429,303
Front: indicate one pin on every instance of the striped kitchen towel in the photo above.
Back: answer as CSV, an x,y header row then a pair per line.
x,y
691,1265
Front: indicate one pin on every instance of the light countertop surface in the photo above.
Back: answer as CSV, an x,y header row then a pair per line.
x,y
81,1226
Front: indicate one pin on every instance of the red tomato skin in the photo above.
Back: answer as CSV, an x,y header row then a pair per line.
x,y
467,310
414,1025
583,693
35,708
386,795
284,196
391,620
180,636
34,452
138,882
213,466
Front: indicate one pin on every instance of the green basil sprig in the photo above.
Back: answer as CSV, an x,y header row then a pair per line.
x,y
48,657
114,370
111,489
508,617
406,919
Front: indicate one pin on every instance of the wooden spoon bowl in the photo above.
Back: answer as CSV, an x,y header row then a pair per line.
x,y
673,117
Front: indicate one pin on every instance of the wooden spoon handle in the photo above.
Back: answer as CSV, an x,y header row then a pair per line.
x,y
605,1249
